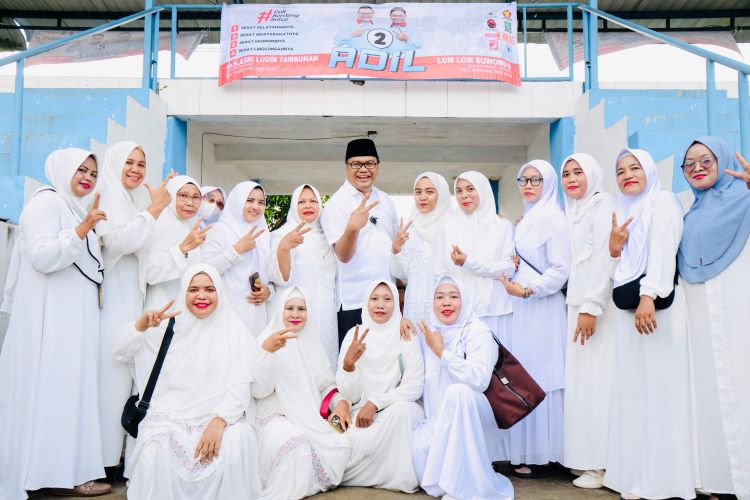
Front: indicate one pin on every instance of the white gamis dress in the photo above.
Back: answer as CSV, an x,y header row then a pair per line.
x,y
381,453
313,268
49,361
651,441
455,445
207,373
539,334
589,367
300,453
123,237
415,264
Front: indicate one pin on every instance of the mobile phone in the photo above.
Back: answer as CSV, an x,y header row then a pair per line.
x,y
335,422
254,282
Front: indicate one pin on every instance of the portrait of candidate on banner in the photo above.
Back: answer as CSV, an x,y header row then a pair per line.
x,y
371,31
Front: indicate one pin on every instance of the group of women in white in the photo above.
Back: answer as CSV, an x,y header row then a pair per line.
x,y
256,399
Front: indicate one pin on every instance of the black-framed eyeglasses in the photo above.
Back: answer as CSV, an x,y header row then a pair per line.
x,y
706,162
535,181
369,165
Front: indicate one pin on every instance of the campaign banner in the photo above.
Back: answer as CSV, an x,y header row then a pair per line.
x,y
107,45
406,41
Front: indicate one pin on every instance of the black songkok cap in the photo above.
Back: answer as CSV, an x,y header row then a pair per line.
x,y
361,147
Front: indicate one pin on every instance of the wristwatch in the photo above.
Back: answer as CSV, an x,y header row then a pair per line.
x,y
526,293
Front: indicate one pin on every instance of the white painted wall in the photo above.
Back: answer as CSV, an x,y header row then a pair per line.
x,y
7,233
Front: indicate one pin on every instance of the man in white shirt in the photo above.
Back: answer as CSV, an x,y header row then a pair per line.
x,y
360,221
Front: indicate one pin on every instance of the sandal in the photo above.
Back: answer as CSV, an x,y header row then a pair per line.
x,y
87,489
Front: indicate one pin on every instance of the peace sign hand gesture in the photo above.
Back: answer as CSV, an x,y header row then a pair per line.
x,y
277,340
195,237
356,349
295,237
160,197
359,217
91,219
432,338
152,319
618,236
745,174
247,242
401,237
458,256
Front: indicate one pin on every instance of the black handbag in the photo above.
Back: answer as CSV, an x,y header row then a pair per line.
x,y
628,296
564,288
135,410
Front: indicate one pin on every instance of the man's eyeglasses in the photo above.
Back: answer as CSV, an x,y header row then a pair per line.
x,y
706,162
369,165
535,181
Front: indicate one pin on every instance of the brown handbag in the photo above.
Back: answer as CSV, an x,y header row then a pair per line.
x,y
512,392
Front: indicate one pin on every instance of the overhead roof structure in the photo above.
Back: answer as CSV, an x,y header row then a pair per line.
x,y
661,15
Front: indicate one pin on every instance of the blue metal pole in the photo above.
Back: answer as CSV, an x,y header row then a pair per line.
x,y
525,47
744,114
17,119
173,44
147,33
570,43
155,52
586,52
594,46
710,97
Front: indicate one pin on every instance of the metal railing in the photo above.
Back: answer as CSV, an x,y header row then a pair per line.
x,y
589,15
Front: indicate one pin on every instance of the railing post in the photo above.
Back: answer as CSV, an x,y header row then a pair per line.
x,y
710,97
744,114
17,119
147,46
586,51
571,76
153,83
594,46
525,47
173,44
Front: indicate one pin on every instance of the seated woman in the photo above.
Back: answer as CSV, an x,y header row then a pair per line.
x,y
454,446
300,453
382,381
195,442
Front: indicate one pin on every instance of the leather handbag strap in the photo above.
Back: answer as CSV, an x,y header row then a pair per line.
x,y
145,400
532,266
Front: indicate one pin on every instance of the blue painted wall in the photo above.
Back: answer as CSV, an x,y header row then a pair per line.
x,y
562,133
175,148
53,119
665,122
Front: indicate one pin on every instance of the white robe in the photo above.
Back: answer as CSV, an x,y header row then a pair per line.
x,y
651,441
122,301
415,264
49,361
454,447
589,367
719,317
381,453
295,463
538,340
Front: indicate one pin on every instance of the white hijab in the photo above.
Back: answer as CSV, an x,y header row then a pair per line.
x,y
60,167
578,212
206,356
217,213
169,230
232,222
543,218
315,250
429,225
635,252
379,363
117,201
302,368
455,335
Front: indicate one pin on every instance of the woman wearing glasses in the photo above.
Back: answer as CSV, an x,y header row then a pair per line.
x,y
213,204
239,246
651,436
539,333
714,264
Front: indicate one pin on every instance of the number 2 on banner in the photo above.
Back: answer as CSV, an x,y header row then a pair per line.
x,y
380,38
